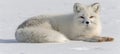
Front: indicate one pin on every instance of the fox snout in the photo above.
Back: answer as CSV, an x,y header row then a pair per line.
x,y
87,22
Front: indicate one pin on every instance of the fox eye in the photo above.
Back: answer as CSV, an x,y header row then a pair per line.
x,y
91,16
81,17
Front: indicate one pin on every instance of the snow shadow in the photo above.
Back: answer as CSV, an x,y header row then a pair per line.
x,y
8,41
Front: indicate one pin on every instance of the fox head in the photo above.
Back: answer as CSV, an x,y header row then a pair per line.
x,y
86,15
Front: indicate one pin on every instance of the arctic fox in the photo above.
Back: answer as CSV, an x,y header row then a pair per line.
x,y
83,25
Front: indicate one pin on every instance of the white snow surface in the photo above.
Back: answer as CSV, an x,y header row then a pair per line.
x,y
14,12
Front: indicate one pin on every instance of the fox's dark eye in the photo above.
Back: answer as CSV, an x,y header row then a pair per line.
x,y
82,17
91,16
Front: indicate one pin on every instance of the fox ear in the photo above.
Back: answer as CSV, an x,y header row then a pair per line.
x,y
77,7
96,7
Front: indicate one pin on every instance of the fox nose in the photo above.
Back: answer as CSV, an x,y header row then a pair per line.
x,y
87,22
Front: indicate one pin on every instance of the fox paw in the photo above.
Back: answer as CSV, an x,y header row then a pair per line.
x,y
105,39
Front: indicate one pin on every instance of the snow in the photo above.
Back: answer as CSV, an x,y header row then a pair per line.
x,y
14,12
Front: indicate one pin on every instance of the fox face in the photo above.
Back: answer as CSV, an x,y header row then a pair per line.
x,y
86,15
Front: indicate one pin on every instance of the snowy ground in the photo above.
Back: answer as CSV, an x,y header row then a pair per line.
x,y
14,12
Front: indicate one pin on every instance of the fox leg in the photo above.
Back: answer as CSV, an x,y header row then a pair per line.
x,y
95,39
106,39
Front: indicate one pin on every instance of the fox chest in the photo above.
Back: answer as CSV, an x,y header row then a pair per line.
x,y
85,31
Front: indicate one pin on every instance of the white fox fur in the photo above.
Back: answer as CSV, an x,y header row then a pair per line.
x,y
84,24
